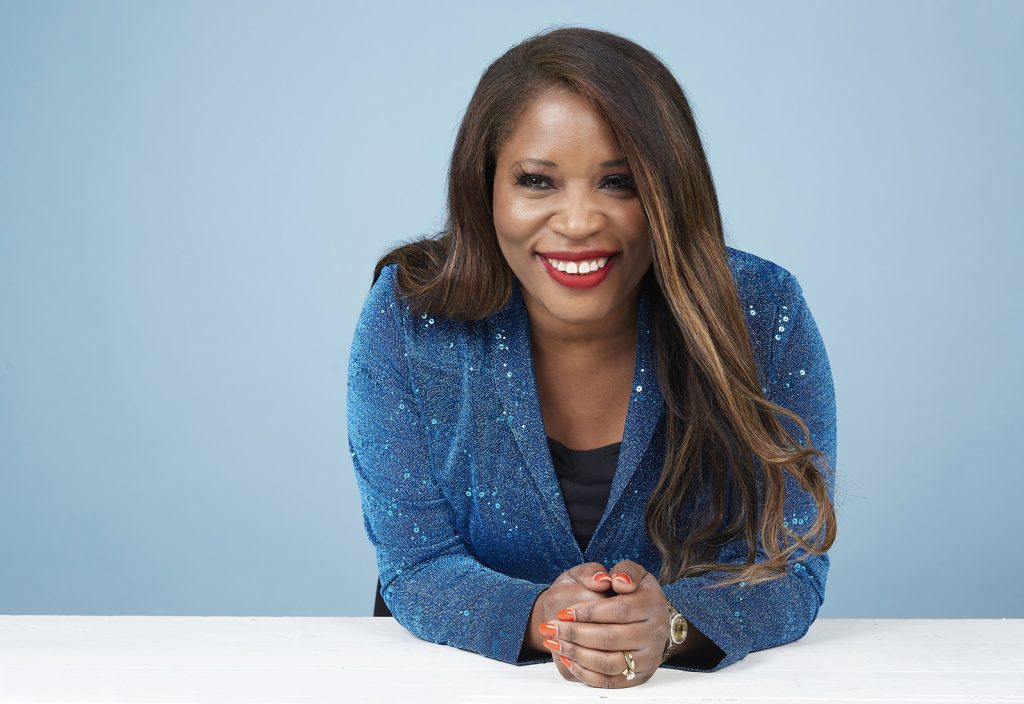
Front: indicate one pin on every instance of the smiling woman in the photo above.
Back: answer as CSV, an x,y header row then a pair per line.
x,y
580,192
583,428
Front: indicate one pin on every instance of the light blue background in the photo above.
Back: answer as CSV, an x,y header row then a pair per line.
x,y
192,197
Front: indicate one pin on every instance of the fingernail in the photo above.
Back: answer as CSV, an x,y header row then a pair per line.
x,y
602,577
553,644
567,615
548,629
565,661
622,577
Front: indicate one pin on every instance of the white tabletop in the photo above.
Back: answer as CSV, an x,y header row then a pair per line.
x,y
285,659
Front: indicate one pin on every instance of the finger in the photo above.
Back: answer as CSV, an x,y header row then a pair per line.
x,y
626,576
604,662
593,576
599,636
597,661
617,609
564,666
596,678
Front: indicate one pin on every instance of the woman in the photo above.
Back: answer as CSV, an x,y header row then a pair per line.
x,y
582,427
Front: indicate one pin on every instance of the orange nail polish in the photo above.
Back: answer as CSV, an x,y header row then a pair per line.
x,y
622,577
553,644
565,661
602,577
548,629
567,615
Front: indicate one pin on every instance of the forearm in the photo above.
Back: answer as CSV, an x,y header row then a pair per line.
x,y
454,600
738,620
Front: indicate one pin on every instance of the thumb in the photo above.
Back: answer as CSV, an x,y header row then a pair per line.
x,y
593,576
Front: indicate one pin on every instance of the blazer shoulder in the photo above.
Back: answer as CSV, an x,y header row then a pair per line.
x,y
377,313
384,293
763,287
755,274
430,340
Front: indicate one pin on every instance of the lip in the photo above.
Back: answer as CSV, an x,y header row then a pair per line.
x,y
579,280
579,255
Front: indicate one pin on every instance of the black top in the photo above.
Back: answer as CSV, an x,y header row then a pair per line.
x,y
586,479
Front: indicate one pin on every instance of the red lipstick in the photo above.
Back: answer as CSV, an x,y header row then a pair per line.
x,y
578,280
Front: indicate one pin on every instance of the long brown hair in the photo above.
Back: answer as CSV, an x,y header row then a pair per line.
x,y
715,407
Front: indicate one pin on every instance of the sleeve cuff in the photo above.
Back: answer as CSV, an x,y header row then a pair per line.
x,y
518,602
703,607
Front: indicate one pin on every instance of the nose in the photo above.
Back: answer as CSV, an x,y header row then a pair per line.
x,y
579,217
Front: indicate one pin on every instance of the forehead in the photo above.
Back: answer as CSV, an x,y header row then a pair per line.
x,y
559,121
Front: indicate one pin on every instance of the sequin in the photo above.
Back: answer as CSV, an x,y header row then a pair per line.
x,y
482,499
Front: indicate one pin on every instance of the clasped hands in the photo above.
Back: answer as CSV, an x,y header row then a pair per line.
x,y
589,616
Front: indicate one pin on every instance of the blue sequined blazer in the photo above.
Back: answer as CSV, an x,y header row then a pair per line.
x,y
459,494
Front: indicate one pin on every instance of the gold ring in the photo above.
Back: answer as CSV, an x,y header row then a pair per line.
x,y
630,671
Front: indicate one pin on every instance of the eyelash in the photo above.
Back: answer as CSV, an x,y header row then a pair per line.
x,y
522,176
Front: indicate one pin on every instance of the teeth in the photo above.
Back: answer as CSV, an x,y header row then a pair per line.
x,y
584,267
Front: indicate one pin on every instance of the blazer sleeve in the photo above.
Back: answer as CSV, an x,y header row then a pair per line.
x,y
431,582
744,618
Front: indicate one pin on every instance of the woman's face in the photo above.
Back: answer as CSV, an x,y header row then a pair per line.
x,y
582,202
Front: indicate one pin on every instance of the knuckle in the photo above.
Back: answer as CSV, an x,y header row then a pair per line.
x,y
605,640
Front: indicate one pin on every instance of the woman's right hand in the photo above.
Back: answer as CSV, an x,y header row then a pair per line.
x,y
574,585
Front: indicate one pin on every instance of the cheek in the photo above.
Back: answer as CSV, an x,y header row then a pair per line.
x,y
511,222
635,230
501,210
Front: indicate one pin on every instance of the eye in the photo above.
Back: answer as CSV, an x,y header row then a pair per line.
x,y
527,179
624,180
535,181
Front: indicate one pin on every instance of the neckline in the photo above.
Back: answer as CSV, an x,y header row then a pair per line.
x,y
592,451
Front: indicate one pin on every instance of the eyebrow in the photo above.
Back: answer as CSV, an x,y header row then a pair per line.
x,y
553,165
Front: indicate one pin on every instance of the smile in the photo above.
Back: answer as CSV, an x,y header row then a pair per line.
x,y
579,274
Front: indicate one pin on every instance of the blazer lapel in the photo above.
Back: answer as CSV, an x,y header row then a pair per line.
x,y
514,378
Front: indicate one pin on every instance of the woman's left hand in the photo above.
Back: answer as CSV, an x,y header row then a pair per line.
x,y
592,635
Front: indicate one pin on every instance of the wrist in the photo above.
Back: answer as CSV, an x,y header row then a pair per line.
x,y
678,630
534,638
